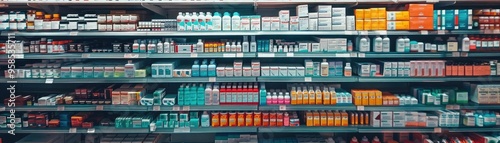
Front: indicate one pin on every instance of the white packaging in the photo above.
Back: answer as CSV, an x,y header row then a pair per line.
x,y
350,23
229,71
324,23
283,71
245,23
256,23
303,23
338,23
300,71
292,71
265,71
375,120
221,71
274,71
247,71
284,25
338,12
324,11
313,24
315,47
302,10
238,72
266,23
284,15
294,23
275,23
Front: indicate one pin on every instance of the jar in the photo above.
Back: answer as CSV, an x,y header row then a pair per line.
x,y
47,22
55,21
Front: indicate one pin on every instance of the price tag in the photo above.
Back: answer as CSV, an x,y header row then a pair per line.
x,y
99,108
228,55
73,33
72,130
343,55
212,79
437,130
456,107
361,55
464,54
2,109
441,32
182,130
432,1
85,55
176,108
424,32
19,56
91,130
270,55
360,108
455,54
348,32
449,107
194,55
282,107
239,54
363,32
382,32
130,55
156,108
185,108
354,55
290,54
308,79
49,81
60,108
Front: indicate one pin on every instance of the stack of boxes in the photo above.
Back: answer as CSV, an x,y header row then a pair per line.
x,y
371,19
451,19
326,18
404,119
398,20
421,16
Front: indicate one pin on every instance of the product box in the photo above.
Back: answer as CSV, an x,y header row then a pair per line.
x,y
324,11
338,23
338,12
255,22
359,14
302,10
325,24
313,21
420,10
274,71
367,24
245,23
398,16
398,25
350,23
421,23
303,23
284,15
275,23
266,23
375,118
360,24
284,25
294,23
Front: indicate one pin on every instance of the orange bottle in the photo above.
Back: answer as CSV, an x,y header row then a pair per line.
x,y
215,119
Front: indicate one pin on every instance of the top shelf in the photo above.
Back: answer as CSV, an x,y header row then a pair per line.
x,y
234,33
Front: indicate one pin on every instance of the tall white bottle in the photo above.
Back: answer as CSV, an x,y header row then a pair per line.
x,y
208,94
364,45
324,68
386,44
245,46
226,22
238,47
407,44
400,45
194,22
253,44
181,26
202,21
159,47
228,47
208,21
215,95
187,20
217,22
465,44
166,46
236,22
377,44
233,47
199,46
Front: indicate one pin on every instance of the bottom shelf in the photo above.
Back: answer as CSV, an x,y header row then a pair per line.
x,y
305,129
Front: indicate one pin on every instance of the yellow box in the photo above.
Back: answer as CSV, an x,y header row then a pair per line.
x,y
359,14
375,24
372,99
360,24
398,16
367,14
367,24
381,13
366,96
373,13
378,98
357,97
398,25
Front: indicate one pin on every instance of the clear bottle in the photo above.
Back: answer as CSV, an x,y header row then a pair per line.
x,y
208,21
228,47
166,46
324,68
194,22
217,22
202,21
400,45
181,24
215,95
347,70
159,47
195,69
465,44
349,46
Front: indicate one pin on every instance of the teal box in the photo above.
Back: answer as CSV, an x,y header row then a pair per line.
x,y
166,124
159,123
98,72
173,117
146,123
450,19
163,117
136,122
88,72
183,117
437,13
463,19
194,123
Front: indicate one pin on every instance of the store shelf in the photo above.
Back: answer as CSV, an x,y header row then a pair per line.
x,y
400,108
206,108
307,79
75,80
305,107
49,130
179,33
207,130
203,55
106,129
305,129
396,130
202,79
306,55
400,55
470,54
96,129
427,79
480,107
474,129
83,108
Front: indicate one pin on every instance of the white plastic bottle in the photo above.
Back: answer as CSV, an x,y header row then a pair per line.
x,y
187,20
377,44
238,47
233,47
159,47
228,47
245,46
166,46
236,22
386,44
202,22
217,22
208,21
226,22
194,22
465,44
400,45
151,47
324,68
253,44
364,45
215,95
347,69
208,94
135,46
181,26
143,47
199,46
407,44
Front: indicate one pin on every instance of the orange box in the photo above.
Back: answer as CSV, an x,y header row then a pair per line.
x,y
371,95
338,119
469,70
454,70
448,70
257,118
367,24
345,119
461,70
359,14
382,23
367,14
374,13
423,10
365,98
215,119
421,23
241,119
395,100
233,120
378,98
360,24
265,119
223,119
382,13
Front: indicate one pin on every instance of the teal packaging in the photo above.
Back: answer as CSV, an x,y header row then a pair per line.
x,y
136,122
449,19
88,71
205,119
194,123
76,71
316,68
159,124
463,19
180,95
187,94
204,68
98,72
195,69
65,72
436,19
443,20
200,93
193,95
339,68
212,68
262,94
331,69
